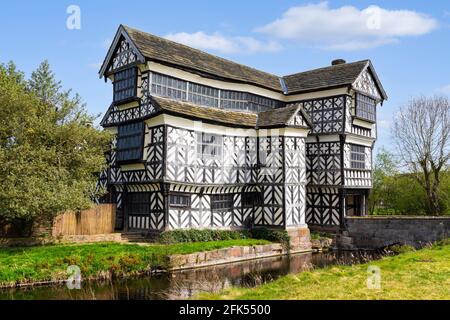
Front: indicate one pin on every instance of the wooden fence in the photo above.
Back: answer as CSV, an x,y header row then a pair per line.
x,y
98,220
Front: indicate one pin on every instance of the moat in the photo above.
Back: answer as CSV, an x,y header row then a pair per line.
x,y
186,284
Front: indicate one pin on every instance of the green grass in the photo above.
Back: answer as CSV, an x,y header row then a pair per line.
x,y
422,274
49,263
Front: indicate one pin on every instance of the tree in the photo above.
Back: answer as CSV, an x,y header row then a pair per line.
x,y
422,133
385,168
45,86
49,149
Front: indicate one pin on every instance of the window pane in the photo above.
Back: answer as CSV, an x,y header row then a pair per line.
x,y
124,84
169,87
180,200
365,107
357,156
209,146
222,202
129,141
138,203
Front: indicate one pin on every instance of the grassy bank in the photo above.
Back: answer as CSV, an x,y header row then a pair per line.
x,y
96,261
423,274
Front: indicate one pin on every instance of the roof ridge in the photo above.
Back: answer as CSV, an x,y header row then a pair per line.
x,y
327,67
201,51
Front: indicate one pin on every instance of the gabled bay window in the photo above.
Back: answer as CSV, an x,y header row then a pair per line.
x,y
125,85
130,141
366,107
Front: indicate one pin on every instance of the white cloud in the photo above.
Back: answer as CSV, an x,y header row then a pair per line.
x,y
347,27
223,44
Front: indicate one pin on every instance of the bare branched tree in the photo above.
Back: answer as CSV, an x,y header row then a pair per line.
x,y
422,133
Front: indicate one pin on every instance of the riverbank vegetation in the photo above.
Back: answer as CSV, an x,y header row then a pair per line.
x,y
96,261
422,274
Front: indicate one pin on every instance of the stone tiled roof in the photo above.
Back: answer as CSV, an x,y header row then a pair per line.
x,y
276,117
267,119
328,77
228,117
166,51
154,48
161,50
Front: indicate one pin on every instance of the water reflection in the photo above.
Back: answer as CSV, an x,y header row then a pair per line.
x,y
187,283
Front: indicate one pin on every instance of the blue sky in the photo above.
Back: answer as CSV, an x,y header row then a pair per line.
x,y
409,42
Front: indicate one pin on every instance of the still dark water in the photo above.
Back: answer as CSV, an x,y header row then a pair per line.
x,y
187,283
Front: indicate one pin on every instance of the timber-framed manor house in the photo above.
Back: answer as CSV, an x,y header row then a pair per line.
x,y
203,142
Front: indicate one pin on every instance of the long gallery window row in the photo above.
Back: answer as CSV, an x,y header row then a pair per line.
x,y
170,87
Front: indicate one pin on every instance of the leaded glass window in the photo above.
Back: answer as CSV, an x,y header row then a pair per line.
x,y
125,84
209,146
258,103
203,95
166,86
169,87
233,100
365,107
138,203
180,201
250,199
357,156
222,202
130,142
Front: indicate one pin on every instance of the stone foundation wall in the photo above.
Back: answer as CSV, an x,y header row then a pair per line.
x,y
226,255
379,232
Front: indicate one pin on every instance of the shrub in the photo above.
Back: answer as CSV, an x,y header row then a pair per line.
x,y
280,236
401,248
206,235
201,235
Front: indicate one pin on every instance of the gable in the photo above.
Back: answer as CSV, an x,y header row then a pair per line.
x,y
366,84
300,119
122,52
123,56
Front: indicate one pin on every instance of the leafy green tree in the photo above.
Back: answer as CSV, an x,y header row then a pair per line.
x,y
385,168
407,196
49,149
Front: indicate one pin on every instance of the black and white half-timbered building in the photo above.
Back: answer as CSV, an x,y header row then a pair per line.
x,y
203,142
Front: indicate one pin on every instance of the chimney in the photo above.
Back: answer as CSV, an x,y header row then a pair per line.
x,y
337,62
